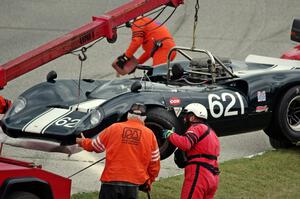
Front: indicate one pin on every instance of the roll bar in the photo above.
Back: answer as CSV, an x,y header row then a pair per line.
x,y
208,53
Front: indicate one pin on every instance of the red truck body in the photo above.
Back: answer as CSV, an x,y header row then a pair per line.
x,y
20,176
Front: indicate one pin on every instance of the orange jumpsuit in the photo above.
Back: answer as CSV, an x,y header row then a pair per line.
x,y
145,33
132,153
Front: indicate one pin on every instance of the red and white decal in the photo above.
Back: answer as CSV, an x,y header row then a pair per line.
x,y
177,111
261,96
260,109
174,101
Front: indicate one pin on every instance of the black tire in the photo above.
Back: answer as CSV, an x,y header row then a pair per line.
x,y
280,143
276,137
22,195
158,119
285,125
289,114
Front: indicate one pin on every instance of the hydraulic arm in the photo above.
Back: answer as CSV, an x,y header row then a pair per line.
x,y
101,26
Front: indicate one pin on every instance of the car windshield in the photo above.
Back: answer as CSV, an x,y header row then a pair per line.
x,y
112,88
117,87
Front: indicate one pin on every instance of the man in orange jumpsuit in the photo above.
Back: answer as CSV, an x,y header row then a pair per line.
x,y
155,39
132,155
202,148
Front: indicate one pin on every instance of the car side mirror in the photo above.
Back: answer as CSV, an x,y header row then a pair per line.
x,y
136,86
295,33
51,76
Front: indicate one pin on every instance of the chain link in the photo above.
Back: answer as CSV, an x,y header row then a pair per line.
x,y
195,23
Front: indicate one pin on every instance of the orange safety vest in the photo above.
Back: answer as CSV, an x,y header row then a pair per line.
x,y
132,153
145,32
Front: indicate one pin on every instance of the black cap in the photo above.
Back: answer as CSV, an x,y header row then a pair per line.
x,y
138,109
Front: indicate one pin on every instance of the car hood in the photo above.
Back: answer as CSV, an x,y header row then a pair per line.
x,y
50,112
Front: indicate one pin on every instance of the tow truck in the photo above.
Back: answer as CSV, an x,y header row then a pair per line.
x,y
19,179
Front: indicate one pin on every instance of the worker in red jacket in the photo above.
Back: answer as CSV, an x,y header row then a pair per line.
x,y
4,106
155,39
202,148
132,156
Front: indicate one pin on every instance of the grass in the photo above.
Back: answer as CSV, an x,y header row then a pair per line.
x,y
272,175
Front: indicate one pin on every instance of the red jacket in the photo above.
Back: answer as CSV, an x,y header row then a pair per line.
x,y
209,145
4,105
132,153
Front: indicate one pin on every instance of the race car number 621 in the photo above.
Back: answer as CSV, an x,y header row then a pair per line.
x,y
215,103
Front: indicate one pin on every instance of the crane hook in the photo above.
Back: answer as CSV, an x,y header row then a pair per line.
x,y
82,57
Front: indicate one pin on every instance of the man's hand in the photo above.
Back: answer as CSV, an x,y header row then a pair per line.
x,y
122,60
167,133
79,140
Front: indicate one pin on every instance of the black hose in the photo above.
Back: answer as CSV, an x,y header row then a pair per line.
x,y
148,195
86,167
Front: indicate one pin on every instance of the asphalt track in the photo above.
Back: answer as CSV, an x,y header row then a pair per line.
x,y
230,28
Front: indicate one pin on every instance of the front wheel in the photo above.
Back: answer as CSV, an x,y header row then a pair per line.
x,y
158,119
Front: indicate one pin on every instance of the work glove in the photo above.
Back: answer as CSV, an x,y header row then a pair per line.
x,y
122,60
167,132
146,187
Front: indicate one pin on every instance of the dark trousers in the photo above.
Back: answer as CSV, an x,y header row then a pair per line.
x,y
110,191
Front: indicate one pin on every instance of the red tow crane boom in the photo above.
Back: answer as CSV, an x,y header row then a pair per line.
x,y
101,26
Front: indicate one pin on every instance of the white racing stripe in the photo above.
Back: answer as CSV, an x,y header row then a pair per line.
x,y
88,105
31,121
46,119
40,123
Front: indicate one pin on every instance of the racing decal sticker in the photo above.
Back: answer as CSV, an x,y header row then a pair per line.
x,y
260,109
261,96
177,111
86,37
174,101
216,104
65,125
131,136
67,122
